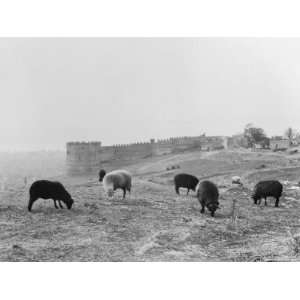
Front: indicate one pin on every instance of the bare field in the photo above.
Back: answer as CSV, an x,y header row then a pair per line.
x,y
153,223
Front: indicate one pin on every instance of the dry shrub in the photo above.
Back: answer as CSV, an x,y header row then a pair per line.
x,y
294,242
232,225
234,213
237,223
173,167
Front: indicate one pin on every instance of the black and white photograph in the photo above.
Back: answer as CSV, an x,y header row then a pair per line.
x,y
150,149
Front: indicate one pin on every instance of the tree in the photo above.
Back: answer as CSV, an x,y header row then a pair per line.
x,y
290,133
255,135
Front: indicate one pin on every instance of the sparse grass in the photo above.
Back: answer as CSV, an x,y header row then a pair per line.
x,y
153,223
294,242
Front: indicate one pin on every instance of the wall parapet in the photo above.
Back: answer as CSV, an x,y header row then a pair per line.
x,y
83,143
84,156
130,145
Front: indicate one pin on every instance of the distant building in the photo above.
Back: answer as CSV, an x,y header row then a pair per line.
x,y
279,144
296,141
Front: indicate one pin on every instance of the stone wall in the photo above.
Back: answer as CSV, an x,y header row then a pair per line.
x,y
127,151
85,157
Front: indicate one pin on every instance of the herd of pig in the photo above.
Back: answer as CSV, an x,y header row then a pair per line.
x,y
207,192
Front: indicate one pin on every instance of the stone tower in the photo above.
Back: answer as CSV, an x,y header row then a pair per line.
x,y
83,157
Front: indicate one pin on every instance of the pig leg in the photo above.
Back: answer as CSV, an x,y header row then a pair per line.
x,y
277,202
60,204
266,204
202,208
55,204
124,193
30,203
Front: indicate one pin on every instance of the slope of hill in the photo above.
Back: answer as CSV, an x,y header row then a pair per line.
x,y
153,223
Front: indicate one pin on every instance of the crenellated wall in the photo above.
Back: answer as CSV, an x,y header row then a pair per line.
x,y
86,157
135,150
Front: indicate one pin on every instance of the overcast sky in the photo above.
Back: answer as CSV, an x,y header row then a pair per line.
x,y
126,90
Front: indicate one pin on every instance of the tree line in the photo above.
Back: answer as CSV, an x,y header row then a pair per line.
x,y
256,135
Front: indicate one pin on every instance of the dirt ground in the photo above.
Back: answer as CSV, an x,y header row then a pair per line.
x,y
153,223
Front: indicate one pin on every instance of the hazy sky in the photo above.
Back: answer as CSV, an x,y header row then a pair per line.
x,y
126,90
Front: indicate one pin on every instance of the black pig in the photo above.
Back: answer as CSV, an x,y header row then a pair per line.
x,y
185,181
208,196
267,188
49,190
